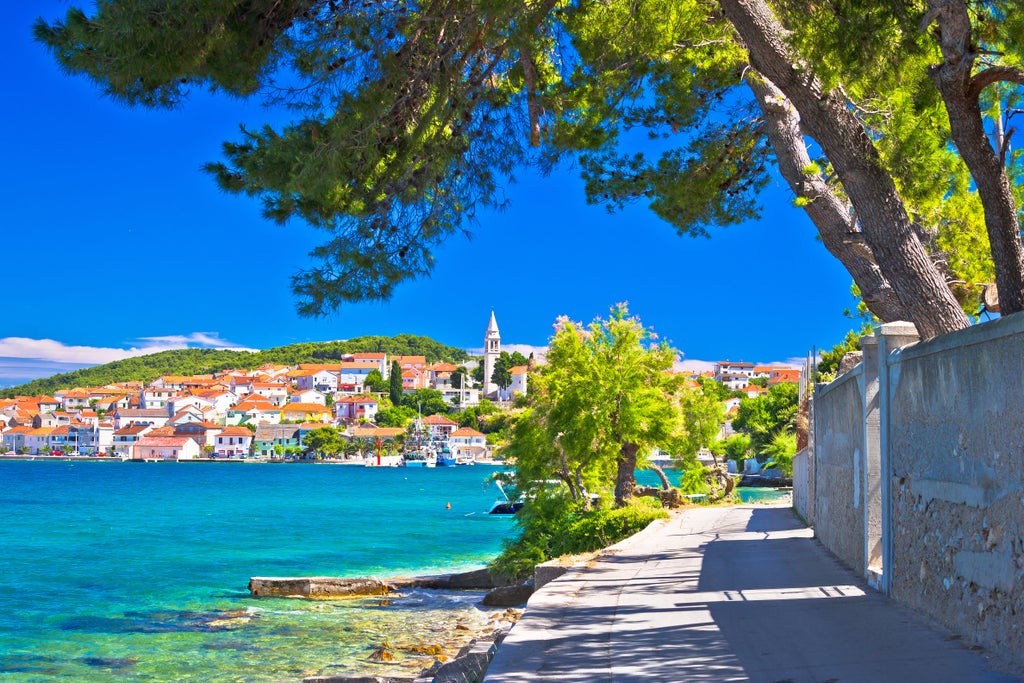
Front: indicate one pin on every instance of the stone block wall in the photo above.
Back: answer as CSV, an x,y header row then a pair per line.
x,y
956,450
838,460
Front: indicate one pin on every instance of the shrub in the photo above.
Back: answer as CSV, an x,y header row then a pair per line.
x,y
553,525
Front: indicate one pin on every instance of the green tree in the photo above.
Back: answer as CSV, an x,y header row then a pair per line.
x,y
325,440
738,447
375,382
395,416
395,383
413,116
764,416
703,416
780,451
604,397
828,363
425,402
502,375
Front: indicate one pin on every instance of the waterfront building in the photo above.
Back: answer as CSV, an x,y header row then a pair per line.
x,y
165,448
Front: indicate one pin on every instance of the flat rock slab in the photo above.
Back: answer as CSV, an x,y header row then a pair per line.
x,y
315,587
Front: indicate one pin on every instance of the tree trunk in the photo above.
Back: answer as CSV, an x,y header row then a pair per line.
x,y
832,216
665,483
961,96
625,480
902,260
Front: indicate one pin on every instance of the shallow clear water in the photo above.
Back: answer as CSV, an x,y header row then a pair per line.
x,y
747,494
138,571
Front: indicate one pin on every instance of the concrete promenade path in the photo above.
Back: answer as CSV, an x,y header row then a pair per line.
x,y
726,594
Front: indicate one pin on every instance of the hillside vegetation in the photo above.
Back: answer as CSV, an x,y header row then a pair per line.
x,y
201,361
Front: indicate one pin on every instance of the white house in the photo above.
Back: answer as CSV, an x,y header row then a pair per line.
x,y
254,408
178,403
378,359
517,385
307,396
125,437
156,397
356,408
156,417
165,448
352,375
440,427
467,444
233,442
276,391
321,380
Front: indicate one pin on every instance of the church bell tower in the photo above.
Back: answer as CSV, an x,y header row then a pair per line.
x,y
492,349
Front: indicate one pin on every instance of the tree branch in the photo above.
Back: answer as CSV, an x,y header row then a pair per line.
x,y
995,74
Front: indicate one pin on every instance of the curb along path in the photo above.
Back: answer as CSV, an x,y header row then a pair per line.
x,y
725,594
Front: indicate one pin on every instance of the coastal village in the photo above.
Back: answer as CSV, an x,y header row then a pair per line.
x,y
266,413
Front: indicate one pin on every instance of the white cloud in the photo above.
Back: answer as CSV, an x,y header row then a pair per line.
x,y
55,351
693,365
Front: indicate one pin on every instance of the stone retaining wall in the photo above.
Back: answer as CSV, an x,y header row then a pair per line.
x,y
929,441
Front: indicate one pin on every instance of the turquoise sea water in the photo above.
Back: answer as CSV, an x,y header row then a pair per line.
x,y
138,571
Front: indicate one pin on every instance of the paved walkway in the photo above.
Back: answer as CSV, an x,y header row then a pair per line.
x,y
725,594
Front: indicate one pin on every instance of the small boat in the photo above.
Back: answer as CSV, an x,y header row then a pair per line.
x,y
446,459
506,506
420,458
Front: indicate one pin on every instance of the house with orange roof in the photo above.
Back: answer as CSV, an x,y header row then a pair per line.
x,y
44,404
96,438
467,445
380,359
14,438
179,403
156,397
408,362
753,391
254,409
233,442
276,391
174,382
517,385
112,403
275,371
351,408
439,426
165,448
38,440
782,375
307,396
321,379
221,400
203,433
305,412
74,399
735,375
414,378
125,437
352,375
187,414
89,416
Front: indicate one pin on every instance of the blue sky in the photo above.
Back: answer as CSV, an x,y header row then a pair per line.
x,y
114,243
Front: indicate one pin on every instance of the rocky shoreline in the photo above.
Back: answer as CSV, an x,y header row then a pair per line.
x,y
451,664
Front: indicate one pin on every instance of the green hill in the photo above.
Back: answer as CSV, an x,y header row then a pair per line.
x,y
202,361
